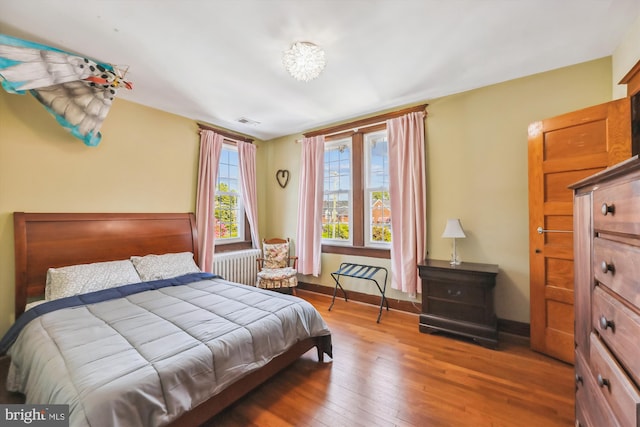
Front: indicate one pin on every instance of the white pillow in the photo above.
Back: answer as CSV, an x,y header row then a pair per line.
x,y
156,267
79,279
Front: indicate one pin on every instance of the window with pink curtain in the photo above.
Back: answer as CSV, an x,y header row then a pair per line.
x,y
235,184
382,201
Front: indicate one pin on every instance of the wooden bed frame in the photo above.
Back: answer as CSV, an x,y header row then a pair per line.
x,y
44,240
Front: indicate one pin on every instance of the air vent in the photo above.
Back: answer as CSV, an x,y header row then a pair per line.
x,y
246,121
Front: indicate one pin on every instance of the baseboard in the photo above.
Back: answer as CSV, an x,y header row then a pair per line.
x,y
514,328
504,326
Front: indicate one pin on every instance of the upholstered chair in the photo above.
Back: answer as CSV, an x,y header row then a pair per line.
x,y
277,268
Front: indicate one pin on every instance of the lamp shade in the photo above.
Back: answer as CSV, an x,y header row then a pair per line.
x,y
453,229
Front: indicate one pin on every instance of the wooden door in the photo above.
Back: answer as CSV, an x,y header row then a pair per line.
x,y
563,150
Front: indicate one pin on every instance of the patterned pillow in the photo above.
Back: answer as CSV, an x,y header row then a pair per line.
x,y
276,255
156,267
79,279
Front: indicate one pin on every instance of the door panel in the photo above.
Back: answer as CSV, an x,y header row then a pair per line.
x,y
563,150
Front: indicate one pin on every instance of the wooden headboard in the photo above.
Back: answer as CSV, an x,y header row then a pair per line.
x,y
44,240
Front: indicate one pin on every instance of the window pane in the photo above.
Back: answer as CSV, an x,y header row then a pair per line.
x,y
229,212
378,209
336,205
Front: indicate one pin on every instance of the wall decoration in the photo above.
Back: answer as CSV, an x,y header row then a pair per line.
x,y
78,91
282,176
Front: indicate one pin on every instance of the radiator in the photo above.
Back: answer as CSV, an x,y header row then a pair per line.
x,y
237,266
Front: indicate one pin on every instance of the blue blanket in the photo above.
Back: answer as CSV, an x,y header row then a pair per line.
x,y
92,298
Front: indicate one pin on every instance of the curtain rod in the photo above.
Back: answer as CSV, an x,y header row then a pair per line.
x,y
356,129
349,131
227,134
370,121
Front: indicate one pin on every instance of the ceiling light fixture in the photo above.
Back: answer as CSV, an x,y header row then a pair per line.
x,y
304,61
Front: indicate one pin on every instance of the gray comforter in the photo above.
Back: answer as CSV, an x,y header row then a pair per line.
x,y
147,358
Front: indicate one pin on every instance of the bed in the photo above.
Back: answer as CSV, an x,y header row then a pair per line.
x,y
177,348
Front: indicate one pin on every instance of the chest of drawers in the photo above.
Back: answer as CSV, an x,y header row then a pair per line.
x,y
607,296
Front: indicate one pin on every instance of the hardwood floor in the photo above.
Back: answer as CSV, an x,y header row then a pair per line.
x,y
390,374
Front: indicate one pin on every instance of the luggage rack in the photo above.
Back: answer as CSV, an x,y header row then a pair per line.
x,y
360,271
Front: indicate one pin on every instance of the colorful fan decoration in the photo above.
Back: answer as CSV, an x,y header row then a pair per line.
x,y
78,91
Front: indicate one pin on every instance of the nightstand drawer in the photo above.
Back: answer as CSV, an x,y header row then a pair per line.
x,y
616,208
457,311
617,389
617,266
456,292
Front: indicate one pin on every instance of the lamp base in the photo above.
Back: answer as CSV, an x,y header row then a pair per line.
x,y
455,259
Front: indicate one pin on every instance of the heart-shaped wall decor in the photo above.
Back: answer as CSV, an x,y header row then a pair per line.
x,y
282,176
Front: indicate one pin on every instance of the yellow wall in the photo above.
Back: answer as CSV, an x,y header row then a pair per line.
x,y
146,162
476,171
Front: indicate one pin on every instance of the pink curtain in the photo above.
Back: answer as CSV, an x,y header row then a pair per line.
x,y
407,187
210,148
310,189
247,154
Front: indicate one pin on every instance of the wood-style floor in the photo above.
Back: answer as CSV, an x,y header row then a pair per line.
x,y
390,374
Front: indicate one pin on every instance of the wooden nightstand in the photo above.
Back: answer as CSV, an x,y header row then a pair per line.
x,y
459,299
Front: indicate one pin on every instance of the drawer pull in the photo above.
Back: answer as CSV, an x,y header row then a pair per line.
x,y
603,382
606,209
579,379
606,267
453,293
604,323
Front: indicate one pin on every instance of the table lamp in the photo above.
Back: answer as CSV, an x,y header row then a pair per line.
x,y
454,231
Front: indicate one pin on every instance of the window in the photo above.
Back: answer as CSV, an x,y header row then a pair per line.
x,y
360,223
229,210
337,200
356,207
377,212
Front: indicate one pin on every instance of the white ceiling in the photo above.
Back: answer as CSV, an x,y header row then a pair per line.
x,y
217,61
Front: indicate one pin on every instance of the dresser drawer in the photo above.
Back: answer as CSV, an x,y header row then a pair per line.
x,y
591,408
616,208
614,385
619,328
617,266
